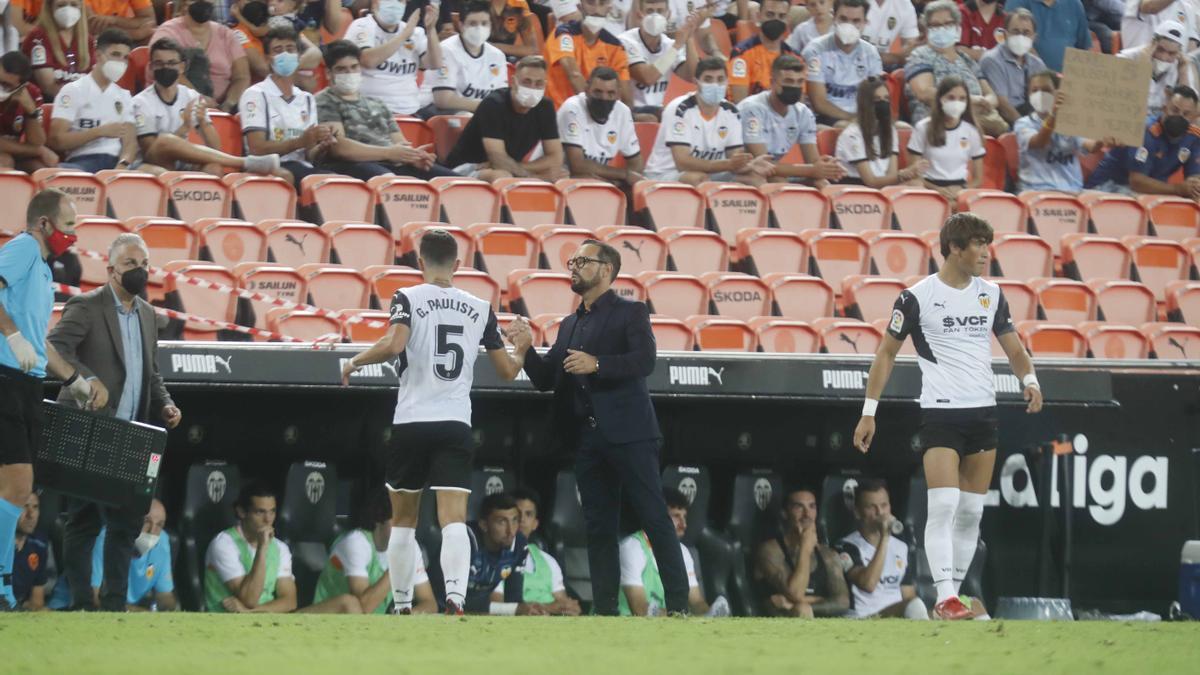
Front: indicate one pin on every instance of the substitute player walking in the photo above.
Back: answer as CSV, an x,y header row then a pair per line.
x,y
435,329
952,316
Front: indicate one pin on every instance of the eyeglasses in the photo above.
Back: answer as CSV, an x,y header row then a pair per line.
x,y
580,261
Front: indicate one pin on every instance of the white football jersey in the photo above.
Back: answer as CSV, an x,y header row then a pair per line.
x,y
437,367
395,80
600,142
952,159
471,76
683,124
638,52
263,108
889,20
952,332
85,105
154,116
854,550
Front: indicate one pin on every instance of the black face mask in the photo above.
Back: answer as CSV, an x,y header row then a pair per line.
x,y
600,109
200,12
773,28
1175,126
134,280
790,95
883,111
165,77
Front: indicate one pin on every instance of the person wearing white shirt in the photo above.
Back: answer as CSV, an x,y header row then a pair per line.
x,y
1142,17
819,22
471,67
542,575
838,63
595,127
876,163
1171,67
166,113
876,563
280,118
654,56
950,141
92,124
393,53
888,20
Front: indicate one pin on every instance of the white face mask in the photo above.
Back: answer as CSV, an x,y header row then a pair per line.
x,y
114,70
347,83
654,24
1042,102
1019,44
954,109
593,24
391,12
144,542
527,97
67,17
476,35
3,6
943,37
847,33
5,92
1161,67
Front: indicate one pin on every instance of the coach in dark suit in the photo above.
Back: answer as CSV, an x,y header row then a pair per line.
x,y
111,334
597,369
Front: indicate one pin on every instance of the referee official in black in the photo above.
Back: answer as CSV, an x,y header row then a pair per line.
x,y
597,369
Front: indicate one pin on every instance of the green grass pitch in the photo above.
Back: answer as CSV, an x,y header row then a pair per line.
x,y
177,644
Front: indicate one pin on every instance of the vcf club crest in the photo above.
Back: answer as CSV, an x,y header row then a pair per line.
x,y
493,486
216,486
985,300
314,487
762,493
687,486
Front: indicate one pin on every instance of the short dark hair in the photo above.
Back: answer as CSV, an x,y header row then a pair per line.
x,y
675,499
865,486
475,7
799,488
501,501
531,61
529,495
1186,92
374,507
602,73
252,490
166,45
1054,77
113,36
46,203
1020,13
279,33
255,12
607,254
786,62
18,64
438,248
866,6
963,228
709,63
339,49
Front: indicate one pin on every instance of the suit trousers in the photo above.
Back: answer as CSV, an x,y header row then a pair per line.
x,y
83,525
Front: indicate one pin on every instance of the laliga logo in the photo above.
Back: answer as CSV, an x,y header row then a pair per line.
x,y
216,486
1108,503
314,487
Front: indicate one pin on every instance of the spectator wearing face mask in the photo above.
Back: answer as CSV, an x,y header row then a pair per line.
x,y
837,63
951,142
193,28
818,23
595,128
1171,67
982,20
869,148
1171,143
1049,160
92,123
579,46
59,46
750,62
654,56
1009,65
1141,19
471,68
393,51
1063,23
151,585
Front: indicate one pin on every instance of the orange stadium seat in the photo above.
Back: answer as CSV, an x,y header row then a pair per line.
x,y
934,241
732,207
1054,215
1173,341
408,241
628,287
1003,211
278,281
326,197
785,336
1173,217
796,208
527,202
1158,262
132,193
674,294
547,326
446,130
897,254
763,250
167,239
466,201
1022,256
1012,155
1065,300
1193,248
857,209
592,203
228,242
647,132
827,141
302,324
917,210
870,297
16,189
676,87
1183,302
694,251
557,243
358,244
505,319
1125,302
1115,215
722,334
1114,341
1058,340
479,284
416,131
737,295
134,79
641,250
995,165
335,286
356,324
672,334
295,243
192,195
55,315
95,235
534,292
837,255
662,204
504,248
385,280
404,200
200,301
258,198
85,189
895,85
1021,298
847,336
1088,256
906,347
229,132
801,297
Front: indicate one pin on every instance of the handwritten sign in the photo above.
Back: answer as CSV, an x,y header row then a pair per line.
x,y
1105,96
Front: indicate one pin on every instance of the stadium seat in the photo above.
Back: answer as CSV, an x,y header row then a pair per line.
x,y
167,238
694,251
754,512
1183,302
731,207
1172,217
210,490
1172,341
835,513
335,286
673,294
385,280
408,241
1115,215
401,200
627,286
762,251
995,165
547,327
710,551
1124,302
446,130
569,534
1114,341
526,202
486,481
897,254
1193,248
95,234
500,249
649,251
304,324
416,131
1059,340
647,132
672,334
86,190
800,296
505,319
258,198
1053,215
132,193
192,196
479,284
557,243
857,209
295,243
870,297
466,201
934,241
695,483
134,79
916,210
16,189
785,336
836,255
326,197
796,208
592,203
722,334
228,242
200,301
307,511
55,315
906,347
534,292
229,132
277,281
358,244
660,204
1012,156
1158,262
1065,300
1003,211
1021,298
827,141
357,325
1088,256
847,336
1022,256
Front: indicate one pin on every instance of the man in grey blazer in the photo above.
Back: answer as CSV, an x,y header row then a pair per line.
x,y
111,334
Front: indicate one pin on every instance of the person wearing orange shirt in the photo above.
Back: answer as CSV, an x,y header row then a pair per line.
x,y
751,60
513,29
135,17
579,46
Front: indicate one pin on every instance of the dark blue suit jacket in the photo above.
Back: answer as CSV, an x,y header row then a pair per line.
x,y
623,341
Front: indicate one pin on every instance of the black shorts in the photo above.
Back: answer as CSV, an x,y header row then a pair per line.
x,y
437,454
965,430
20,416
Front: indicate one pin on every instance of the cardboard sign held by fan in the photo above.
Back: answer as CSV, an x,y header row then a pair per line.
x,y
1105,97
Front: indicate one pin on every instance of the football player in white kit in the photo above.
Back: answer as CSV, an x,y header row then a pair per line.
x,y
434,331
952,316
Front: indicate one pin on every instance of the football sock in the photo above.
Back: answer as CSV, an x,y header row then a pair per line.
x,y
9,515
939,547
966,533
456,561
401,565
